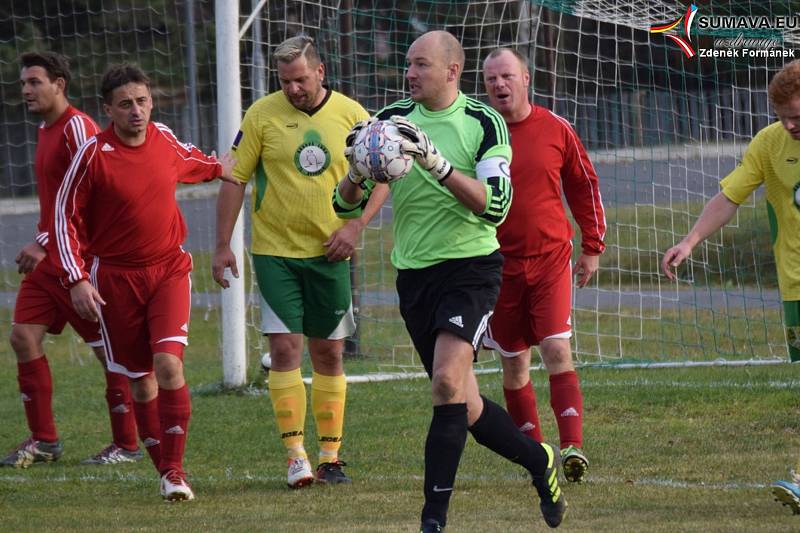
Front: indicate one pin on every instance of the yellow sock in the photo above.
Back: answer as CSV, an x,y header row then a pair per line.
x,y
327,402
288,395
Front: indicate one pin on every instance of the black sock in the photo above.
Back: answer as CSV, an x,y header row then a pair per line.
x,y
496,430
443,448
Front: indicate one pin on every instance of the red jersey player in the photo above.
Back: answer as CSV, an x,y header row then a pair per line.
x,y
118,201
536,240
43,304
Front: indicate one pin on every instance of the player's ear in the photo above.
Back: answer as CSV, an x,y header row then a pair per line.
x,y
321,71
107,109
61,83
452,72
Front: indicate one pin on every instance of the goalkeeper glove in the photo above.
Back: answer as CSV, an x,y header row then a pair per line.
x,y
356,178
353,175
421,147
350,140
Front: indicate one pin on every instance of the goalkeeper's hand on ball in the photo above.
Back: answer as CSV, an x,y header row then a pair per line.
x,y
422,148
350,140
353,175
356,178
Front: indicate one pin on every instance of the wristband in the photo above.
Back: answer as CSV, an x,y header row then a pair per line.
x,y
351,177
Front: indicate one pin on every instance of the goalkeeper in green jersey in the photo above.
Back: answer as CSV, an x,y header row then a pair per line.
x,y
446,253
770,159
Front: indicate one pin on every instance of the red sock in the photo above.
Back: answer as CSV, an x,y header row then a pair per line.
x,y
521,404
174,409
567,403
120,410
149,427
36,389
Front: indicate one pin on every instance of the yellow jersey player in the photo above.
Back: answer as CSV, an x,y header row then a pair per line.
x,y
291,144
771,160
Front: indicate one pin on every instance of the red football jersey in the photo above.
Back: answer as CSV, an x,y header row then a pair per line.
x,y
549,159
56,145
123,199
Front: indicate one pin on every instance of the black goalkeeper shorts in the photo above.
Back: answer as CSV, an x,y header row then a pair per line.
x,y
457,295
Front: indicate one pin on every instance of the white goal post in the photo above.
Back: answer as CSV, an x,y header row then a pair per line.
x,y
229,103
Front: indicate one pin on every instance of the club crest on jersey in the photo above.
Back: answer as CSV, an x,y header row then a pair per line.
x,y
312,158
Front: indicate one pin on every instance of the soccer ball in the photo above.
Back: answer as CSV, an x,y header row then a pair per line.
x,y
378,155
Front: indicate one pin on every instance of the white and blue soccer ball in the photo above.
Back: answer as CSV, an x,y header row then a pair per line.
x,y
378,153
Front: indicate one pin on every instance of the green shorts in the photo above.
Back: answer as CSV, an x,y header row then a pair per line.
x,y
309,296
791,316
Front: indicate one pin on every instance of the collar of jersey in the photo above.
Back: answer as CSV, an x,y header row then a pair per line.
x,y
328,93
457,103
61,120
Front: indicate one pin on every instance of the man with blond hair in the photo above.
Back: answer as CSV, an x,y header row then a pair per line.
x,y
771,160
448,265
292,141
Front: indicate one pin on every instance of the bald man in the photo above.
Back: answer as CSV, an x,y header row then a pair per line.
x,y
449,267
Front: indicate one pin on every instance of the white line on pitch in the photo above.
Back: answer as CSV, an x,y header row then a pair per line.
x,y
238,477
723,384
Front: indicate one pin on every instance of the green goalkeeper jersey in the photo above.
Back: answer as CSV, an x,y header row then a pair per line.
x,y
430,224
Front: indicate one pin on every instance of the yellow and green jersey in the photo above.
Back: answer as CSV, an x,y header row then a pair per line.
x,y
773,158
296,159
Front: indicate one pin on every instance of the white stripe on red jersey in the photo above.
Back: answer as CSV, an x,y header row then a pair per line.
x,y
548,161
56,146
122,198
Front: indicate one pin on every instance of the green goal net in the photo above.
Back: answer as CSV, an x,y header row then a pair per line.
x,y
662,129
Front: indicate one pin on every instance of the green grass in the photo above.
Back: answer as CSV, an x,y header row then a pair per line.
x,y
670,450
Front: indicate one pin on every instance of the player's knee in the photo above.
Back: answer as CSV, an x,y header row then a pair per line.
x,y
285,347
144,389
557,356
25,344
327,358
517,365
168,369
446,388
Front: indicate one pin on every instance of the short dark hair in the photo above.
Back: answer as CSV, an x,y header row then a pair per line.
x,y
119,75
55,64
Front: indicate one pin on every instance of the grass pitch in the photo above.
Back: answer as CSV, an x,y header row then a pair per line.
x,y
670,450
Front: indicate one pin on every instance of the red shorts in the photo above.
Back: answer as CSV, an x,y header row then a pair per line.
x,y
146,312
43,300
534,303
